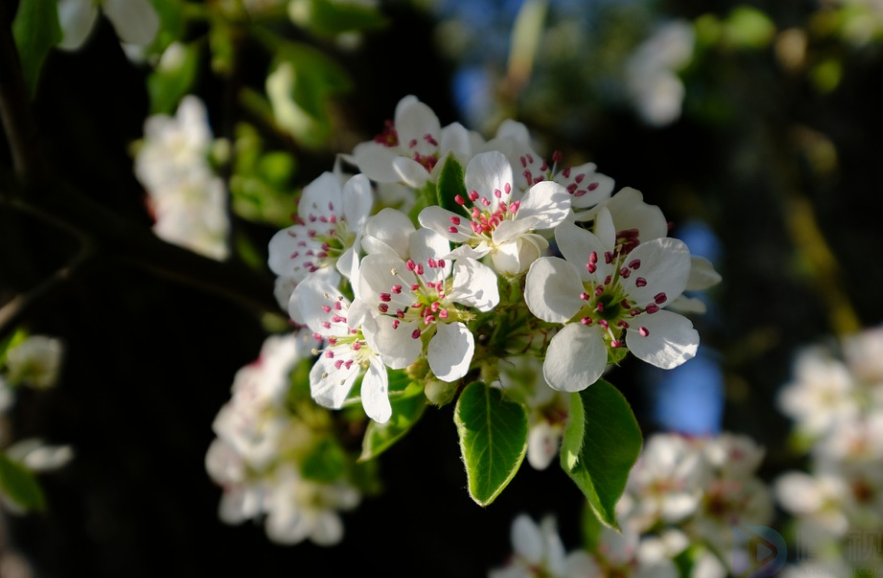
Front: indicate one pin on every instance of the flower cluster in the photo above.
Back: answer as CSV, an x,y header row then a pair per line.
x,y
682,500
836,400
503,254
187,199
265,452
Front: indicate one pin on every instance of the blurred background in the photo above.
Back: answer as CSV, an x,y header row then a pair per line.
x,y
755,126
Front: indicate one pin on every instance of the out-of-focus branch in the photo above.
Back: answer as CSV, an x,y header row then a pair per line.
x,y
13,313
15,110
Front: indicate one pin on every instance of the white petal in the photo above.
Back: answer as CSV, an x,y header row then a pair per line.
x,y
450,351
671,340
388,230
552,290
376,277
76,17
515,130
577,246
410,172
328,529
396,346
702,274
375,161
542,445
688,305
375,392
604,228
314,296
576,358
329,385
348,264
357,201
329,277
592,187
664,265
527,541
475,285
413,121
515,258
426,244
486,173
546,202
135,21
455,140
321,198
440,221
507,231
631,212
466,251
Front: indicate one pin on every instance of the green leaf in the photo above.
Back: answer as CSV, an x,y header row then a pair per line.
x,y
493,439
36,31
330,17
10,342
20,485
407,410
451,182
300,88
574,433
173,79
610,446
325,463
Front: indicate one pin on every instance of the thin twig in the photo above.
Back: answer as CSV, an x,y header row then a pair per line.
x,y
17,310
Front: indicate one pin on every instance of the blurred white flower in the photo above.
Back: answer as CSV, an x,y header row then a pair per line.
x,y
651,72
298,509
135,21
36,361
37,456
821,395
188,201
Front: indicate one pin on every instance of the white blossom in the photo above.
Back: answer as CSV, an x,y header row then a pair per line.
x,y
330,222
501,222
607,298
412,147
187,200
416,301
586,186
332,318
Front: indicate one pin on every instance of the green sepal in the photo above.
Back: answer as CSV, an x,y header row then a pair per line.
x,y
407,409
36,30
19,484
609,447
493,439
451,182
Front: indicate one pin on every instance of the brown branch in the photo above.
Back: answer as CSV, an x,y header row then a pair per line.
x,y
15,110
17,310
132,242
